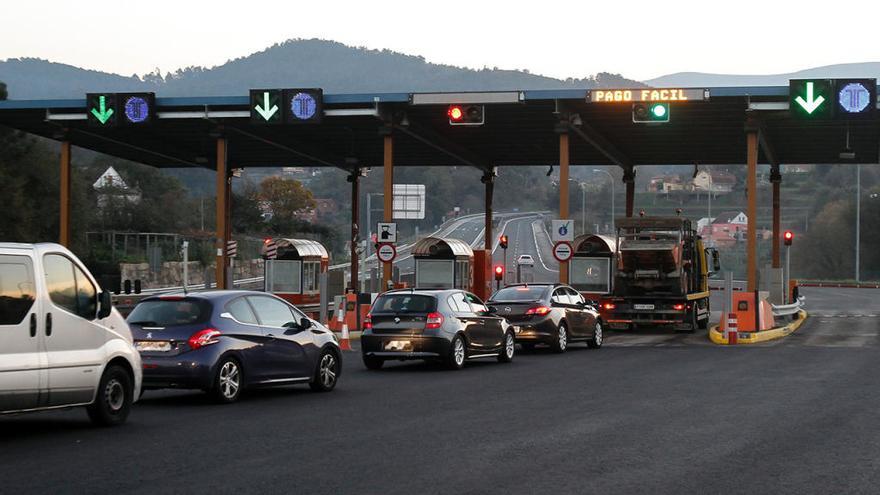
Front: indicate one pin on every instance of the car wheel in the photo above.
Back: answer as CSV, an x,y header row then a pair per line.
x,y
507,351
113,400
373,363
457,353
327,373
560,343
227,384
596,341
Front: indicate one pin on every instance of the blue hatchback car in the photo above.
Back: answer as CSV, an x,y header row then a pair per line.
x,y
226,341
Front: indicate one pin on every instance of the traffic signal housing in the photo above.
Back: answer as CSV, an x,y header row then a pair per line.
x,y
788,236
651,112
466,114
499,273
503,241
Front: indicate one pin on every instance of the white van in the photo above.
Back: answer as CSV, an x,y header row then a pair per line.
x,y
62,343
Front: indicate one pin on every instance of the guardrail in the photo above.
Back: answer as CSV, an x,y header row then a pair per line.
x,y
789,309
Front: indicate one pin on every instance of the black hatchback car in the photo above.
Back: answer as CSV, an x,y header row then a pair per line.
x,y
434,324
552,314
226,341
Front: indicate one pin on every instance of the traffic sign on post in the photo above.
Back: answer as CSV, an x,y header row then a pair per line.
x,y
101,109
386,232
386,253
811,98
562,251
265,106
563,230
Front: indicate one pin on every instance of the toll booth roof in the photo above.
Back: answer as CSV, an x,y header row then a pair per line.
x,y
458,248
305,247
594,244
521,128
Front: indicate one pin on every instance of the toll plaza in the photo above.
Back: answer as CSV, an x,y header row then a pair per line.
x,y
443,264
295,274
591,269
809,121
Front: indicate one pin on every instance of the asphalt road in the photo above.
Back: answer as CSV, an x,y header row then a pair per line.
x,y
651,412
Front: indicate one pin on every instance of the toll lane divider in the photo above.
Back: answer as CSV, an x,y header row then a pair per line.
x,y
718,337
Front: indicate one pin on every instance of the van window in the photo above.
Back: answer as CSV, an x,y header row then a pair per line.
x,y
60,281
86,295
16,288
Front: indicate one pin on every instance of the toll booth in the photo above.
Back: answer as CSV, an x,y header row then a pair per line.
x,y
443,264
591,269
296,273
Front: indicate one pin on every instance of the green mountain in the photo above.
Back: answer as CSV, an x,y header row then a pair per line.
x,y
294,63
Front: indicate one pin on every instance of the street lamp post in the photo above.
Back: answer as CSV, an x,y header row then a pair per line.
x,y
611,178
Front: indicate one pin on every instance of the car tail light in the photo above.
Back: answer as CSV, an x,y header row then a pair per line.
x,y
540,311
609,305
678,307
368,322
434,321
204,337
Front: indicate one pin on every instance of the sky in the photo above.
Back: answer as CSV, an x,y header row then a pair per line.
x,y
638,39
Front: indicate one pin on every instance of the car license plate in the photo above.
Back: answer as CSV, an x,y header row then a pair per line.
x,y
398,345
153,346
643,306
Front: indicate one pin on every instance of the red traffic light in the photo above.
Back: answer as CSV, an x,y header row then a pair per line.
x,y
503,242
267,241
466,114
499,272
788,236
455,113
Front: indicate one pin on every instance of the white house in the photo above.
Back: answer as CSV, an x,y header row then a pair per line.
x,y
110,185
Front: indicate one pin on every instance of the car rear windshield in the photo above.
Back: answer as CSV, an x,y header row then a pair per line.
x,y
170,312
519,294
405,303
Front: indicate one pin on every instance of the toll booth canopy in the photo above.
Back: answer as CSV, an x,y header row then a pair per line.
x,y
298,268
591,266
443,264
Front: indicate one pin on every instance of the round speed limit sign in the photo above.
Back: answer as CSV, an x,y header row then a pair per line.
x,y
562,251
386,253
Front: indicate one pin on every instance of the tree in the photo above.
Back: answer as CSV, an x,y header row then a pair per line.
x,y
285,198
247,216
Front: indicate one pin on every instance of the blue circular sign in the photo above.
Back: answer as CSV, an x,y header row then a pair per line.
x,y
854,98
136,109
303,106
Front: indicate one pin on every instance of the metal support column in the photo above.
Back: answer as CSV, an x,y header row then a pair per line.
x,y
752,211
354,277
488,239
563,194
388,199
64,196
776,179
629,180
222,230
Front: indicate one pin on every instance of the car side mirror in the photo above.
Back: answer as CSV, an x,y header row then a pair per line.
x,y
305,323
105,305
492,310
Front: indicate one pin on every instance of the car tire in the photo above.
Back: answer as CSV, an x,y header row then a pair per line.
x,y
457,353
326,372
560,343
508,348
598,337
228,381
113,399
373,363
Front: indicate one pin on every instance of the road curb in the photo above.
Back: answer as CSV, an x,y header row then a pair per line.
x,y
757,337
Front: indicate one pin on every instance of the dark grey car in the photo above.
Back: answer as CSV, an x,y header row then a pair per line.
x,y
447,325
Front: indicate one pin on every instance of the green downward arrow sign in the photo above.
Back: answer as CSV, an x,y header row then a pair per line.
x,y
105,113
265,111
810,104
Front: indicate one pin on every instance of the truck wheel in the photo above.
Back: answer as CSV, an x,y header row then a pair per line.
x,y
703,324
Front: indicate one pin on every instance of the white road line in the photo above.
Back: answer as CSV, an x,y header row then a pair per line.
x,y
538,246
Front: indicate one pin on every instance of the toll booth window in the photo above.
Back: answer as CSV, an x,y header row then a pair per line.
x,y
311,276
591,274
285,276
462,275
435,274
16,289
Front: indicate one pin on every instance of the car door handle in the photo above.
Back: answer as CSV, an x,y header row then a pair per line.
x,y
33,324
48,324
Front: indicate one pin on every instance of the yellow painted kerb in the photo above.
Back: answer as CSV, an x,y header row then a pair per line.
x,y
763,336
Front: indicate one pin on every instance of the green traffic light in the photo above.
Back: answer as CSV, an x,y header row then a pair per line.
x,y
658,110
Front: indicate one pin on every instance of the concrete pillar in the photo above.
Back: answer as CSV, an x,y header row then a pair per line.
x,y
222,228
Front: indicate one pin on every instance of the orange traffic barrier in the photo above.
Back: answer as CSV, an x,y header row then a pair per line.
x,y
730,330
